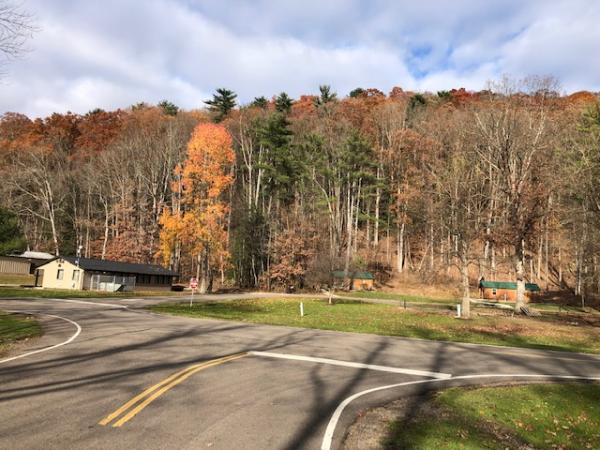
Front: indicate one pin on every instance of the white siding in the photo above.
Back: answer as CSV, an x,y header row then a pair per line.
x,y
69,281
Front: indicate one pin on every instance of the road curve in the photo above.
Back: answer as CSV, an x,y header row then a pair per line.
x,y
206,397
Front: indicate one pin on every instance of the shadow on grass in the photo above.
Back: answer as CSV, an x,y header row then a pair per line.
x,y
437,425
14,327
544,416
355,316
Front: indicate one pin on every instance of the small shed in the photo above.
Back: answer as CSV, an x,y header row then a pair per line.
x,y
14,265
505,290
71,272
359,281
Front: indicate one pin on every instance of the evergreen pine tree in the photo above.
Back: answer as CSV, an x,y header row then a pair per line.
x,y
283,103
260,102
11,237
168,108
222,103
326,95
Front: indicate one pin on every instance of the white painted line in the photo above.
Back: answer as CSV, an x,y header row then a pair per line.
x,y
112,305
328,437
45,349
355,365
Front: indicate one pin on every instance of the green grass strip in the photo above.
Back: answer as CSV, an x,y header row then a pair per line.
x,y
542,416
355,316
16,327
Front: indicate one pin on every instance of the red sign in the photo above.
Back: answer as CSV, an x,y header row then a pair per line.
x,y
193,283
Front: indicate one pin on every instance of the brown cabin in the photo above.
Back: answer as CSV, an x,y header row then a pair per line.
x,y
505,290
359,281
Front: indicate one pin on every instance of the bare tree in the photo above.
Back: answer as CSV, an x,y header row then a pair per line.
x,y
16,27
514,130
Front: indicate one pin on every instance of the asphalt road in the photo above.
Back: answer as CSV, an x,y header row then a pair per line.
x,y
131,379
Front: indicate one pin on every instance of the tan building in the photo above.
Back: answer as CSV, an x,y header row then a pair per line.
x,y
70,272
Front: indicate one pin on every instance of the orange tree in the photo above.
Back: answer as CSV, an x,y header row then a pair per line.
x,y
197,224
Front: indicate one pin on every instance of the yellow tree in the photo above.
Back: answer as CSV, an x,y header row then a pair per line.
x,y
199,221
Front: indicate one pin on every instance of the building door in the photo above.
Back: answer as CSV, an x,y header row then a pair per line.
x,y
39,277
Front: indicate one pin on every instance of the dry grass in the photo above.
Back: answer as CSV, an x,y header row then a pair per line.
x,y
413,285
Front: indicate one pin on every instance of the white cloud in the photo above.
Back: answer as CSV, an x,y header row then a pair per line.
x,y
118,52
564,46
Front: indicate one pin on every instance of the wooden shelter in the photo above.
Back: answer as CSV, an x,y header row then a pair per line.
x,y
14,265
359,281
505,290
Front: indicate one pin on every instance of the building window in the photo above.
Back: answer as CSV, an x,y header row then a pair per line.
x,y
494,291
60,274
76,275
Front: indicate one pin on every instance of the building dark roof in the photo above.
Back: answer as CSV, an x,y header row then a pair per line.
x,y
105,265
508,285
353,275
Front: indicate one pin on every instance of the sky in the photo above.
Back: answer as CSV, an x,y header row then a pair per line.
x,y
114,53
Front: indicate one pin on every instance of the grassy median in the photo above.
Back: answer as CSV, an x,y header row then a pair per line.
x,y
15,328
542,416
355,316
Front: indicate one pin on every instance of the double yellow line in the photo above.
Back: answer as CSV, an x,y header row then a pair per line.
x,y
152,393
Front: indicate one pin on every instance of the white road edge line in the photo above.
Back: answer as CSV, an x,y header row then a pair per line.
x,y
335,362
45,349
328,437
112,305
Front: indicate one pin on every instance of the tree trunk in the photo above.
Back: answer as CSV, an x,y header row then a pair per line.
x,y
388,253
200,274
464,270
377,201
432,247
54,234
400,244
547,256
106,229
519,270
493,262
539,259
560,278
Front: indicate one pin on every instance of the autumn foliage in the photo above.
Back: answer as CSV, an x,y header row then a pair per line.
x,y
199,221
451,185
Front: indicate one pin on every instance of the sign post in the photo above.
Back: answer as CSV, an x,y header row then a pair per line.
x,y
193,286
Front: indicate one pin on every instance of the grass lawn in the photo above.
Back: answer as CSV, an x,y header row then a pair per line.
x,y
396,296
6,278
12,292
542,416
557,308
16,327
349,315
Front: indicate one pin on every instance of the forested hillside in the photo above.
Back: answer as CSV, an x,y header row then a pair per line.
x,y
502,184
